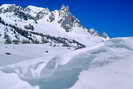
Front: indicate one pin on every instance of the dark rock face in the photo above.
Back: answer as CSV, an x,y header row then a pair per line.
x,y
51,17
7,53
68,20
68,23
29,27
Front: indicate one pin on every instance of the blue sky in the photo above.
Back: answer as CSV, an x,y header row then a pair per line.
x,y
112,16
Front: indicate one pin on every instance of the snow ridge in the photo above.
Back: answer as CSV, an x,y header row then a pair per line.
x,y
45,73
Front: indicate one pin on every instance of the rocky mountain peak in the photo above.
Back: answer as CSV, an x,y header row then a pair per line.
x,y
40,25
64,10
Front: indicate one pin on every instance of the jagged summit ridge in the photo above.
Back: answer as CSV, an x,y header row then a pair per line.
x,y
40,25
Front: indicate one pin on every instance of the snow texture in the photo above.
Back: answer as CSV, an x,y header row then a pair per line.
x,y
103,66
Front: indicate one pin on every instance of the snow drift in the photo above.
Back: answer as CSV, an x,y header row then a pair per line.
x,y
107,65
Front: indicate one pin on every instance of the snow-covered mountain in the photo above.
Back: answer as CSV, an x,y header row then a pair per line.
x,y
40,26
45,55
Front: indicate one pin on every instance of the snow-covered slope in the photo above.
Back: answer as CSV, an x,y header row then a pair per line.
x,y
11,54
112,69
40,25
116,75
12,81
104,66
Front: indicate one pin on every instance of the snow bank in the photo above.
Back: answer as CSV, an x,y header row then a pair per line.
x,y
12,81
117,75
107,66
